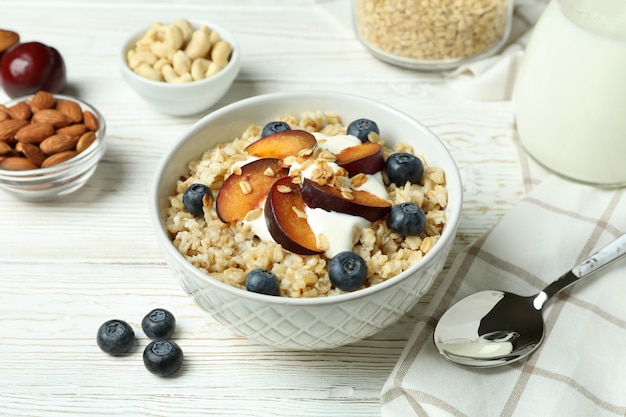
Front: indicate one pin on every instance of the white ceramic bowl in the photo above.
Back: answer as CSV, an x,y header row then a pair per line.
x,y
314,323
183,99
59,180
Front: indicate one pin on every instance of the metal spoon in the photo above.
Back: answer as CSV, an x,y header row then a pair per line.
x,y
493,328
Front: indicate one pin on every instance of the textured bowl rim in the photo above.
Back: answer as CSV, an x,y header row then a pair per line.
x,y
233,63
30,175
453,188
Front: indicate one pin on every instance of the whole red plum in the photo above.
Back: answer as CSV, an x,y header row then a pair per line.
x,y
32,66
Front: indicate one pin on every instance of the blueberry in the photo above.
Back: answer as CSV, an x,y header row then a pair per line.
x,y
274,127
361,128
347,271
163,357
158,324
402,167
193,198
115,337
262,281
407,219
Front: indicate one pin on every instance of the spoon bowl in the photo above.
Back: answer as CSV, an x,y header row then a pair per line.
x,y
496,336
493,328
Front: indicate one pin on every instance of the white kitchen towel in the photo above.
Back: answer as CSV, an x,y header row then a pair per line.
x,y
493,78
580,369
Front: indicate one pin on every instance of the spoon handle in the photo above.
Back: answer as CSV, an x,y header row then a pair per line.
x,y
593,263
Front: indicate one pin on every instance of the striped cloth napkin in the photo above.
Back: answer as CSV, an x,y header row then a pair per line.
x,y
579,370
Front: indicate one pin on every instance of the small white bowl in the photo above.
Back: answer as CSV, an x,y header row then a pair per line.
x,y
305,323
183,99
56,181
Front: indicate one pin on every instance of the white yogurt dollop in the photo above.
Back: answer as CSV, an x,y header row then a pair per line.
x,y
337,143
339,228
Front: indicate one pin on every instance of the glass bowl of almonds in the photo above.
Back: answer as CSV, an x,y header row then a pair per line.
x,y
181,68
50,145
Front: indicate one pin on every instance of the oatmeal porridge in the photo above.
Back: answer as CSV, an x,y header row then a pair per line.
x,y
291,202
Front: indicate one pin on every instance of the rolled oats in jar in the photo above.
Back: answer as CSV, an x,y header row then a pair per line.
x,y
432,34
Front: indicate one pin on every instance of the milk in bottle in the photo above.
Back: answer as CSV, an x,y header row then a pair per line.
x,y
570,96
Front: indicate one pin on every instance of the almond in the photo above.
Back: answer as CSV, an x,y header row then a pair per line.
x,y
8,38
91,121
4,113
17,163
41,100
32,153
71,109
57,143
9,127
85,141
5,148
58,158
20,111
75,130
13,152
52,116
34,132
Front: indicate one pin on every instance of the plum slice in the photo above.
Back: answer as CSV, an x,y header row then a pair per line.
x,y
366,158
244,191
286,218
356,202
282,144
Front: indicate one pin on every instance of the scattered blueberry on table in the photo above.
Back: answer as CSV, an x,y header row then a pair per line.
x,y
115,337
158,324
163,357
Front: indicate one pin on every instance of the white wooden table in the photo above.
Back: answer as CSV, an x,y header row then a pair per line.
x,y
69,265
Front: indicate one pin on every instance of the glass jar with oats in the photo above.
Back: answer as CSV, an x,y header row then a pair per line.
x,y
432,34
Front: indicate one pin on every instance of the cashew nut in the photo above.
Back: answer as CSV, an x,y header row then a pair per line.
x,y
159,63
172,41
199,68
181,63
171,77
214,37
185,27
213,69
145,70
199,44
162,50
221,53
174,36
154,33
135,58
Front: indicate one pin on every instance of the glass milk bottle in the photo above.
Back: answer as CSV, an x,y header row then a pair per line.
x,y
570,96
